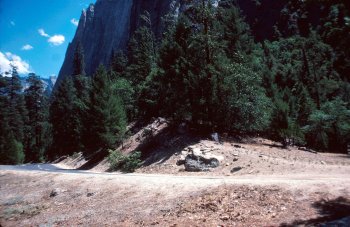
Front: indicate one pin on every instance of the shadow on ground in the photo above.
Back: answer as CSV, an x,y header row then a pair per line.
x,y
166,144
330,213
94,160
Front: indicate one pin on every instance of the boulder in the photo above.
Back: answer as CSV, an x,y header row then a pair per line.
x,y
196,160
236,169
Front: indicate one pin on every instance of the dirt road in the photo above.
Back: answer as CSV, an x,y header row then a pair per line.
x,y
47,195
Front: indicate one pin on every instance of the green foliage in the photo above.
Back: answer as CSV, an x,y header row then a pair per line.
x,y
245,107
11,151
206,69
329,128
142,54
13,117
126,92
17,112
279,122
118,63
107,117
132,162
62,120
37,139
126,163
78,61
208,78
70,104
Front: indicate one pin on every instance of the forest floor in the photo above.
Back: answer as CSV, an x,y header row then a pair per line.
x,y
275,187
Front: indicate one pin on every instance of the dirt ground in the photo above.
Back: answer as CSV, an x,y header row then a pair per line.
x,y
275,187
256,157
69,199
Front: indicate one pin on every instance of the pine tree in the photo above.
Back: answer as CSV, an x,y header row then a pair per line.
x,y
280,122
118,63
38,128
62,120
141,56
11,150
142,68
82,86
235,31
107,118
17,111
78,61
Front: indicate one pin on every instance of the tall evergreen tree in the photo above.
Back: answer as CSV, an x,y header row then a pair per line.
x,y
11,120
78,61
38,129
63,121
118,63
17,109
82,86
107,118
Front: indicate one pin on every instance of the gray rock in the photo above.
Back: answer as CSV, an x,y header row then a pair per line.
x,y
54,192
180,162
195,166
89,194
236,169
344,222
215,137
194,163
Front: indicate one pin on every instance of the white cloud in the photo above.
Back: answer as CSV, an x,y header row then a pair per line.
x,y
4,63
43,33
74,21
27,47
12,23
56,40
8,59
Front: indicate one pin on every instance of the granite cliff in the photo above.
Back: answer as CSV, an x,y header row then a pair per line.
x,y
107,25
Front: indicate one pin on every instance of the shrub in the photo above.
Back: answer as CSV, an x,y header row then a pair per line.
x,y
125,163
132,162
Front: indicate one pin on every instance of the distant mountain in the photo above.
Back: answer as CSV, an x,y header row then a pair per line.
x,y
49,83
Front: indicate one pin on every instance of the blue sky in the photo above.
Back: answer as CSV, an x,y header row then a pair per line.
x,y
34,34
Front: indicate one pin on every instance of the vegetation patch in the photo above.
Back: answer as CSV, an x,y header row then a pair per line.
x,y
125,163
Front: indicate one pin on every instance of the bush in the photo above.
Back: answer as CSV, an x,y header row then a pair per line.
x,y
125,163
132,162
